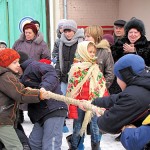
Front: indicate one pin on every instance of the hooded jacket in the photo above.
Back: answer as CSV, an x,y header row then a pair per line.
x,y
128,107
12,93
37,75
36,48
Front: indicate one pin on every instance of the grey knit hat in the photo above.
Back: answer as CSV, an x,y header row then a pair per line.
x,y
61,23
135,23
70,24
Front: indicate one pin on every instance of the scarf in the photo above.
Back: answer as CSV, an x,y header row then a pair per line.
x,y
78,37
85,69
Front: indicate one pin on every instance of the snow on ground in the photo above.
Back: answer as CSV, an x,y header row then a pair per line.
x,y
107,143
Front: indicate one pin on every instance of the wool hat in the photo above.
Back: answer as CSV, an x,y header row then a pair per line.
x,y
30,26
135,62
135,23
109,38
120,23
23,57
61,23
70,24
35,22
7,56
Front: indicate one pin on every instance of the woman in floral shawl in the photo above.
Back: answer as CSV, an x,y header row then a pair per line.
x,y
85,82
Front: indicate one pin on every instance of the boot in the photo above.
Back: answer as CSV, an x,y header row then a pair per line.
x,y
95,146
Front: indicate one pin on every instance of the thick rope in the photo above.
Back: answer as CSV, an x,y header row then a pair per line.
x,y
87,104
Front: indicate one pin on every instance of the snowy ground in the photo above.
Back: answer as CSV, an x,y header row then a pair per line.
x,y
107,143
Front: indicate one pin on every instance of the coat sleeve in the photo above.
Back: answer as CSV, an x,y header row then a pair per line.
x,y
105,102
135,138
121,113
12,88
45,51
108,71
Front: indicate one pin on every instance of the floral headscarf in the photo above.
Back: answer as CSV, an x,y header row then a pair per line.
x,y
85,68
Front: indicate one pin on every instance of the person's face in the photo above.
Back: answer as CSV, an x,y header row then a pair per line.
x,y
29,34
92,51
69,34
133,35
61,29
14,66
88,37
37,26
121,83
2,46
119,31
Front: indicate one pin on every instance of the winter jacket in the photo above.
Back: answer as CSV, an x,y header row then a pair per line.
x,y
128,107
67,49
105,61
83,95
37,75
56,45
142,48
12,93
36,48
135,138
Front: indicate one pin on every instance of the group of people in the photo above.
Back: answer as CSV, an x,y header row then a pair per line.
x,y
108,71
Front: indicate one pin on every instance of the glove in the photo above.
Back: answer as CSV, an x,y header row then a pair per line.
x,y
44,94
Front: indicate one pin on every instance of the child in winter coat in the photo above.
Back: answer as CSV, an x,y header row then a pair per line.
x,y
47,116
12,93
85,82
131,106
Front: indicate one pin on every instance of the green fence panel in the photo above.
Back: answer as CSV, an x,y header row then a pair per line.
x,y
13,15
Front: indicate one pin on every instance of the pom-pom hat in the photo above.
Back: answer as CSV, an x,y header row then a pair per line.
x,y
7,56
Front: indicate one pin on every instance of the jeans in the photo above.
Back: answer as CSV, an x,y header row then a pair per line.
x,y
95,133
64,87
48,136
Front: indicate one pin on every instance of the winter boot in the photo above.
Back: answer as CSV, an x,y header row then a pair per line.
x,y
95,146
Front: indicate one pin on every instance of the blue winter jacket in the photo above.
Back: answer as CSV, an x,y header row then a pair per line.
x,y
37,75
135,138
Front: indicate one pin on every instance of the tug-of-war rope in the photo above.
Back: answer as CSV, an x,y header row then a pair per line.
x,y
87,105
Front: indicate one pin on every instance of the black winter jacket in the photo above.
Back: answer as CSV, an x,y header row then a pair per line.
x,y
128,107
68,57
37,75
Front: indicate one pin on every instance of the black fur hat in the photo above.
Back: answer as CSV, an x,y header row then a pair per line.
x,y
135,23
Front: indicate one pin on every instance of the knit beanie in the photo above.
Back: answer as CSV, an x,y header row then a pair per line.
x,y
61,23
30,26
109,38
135,23
23,57
70,24
7,56
136,62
